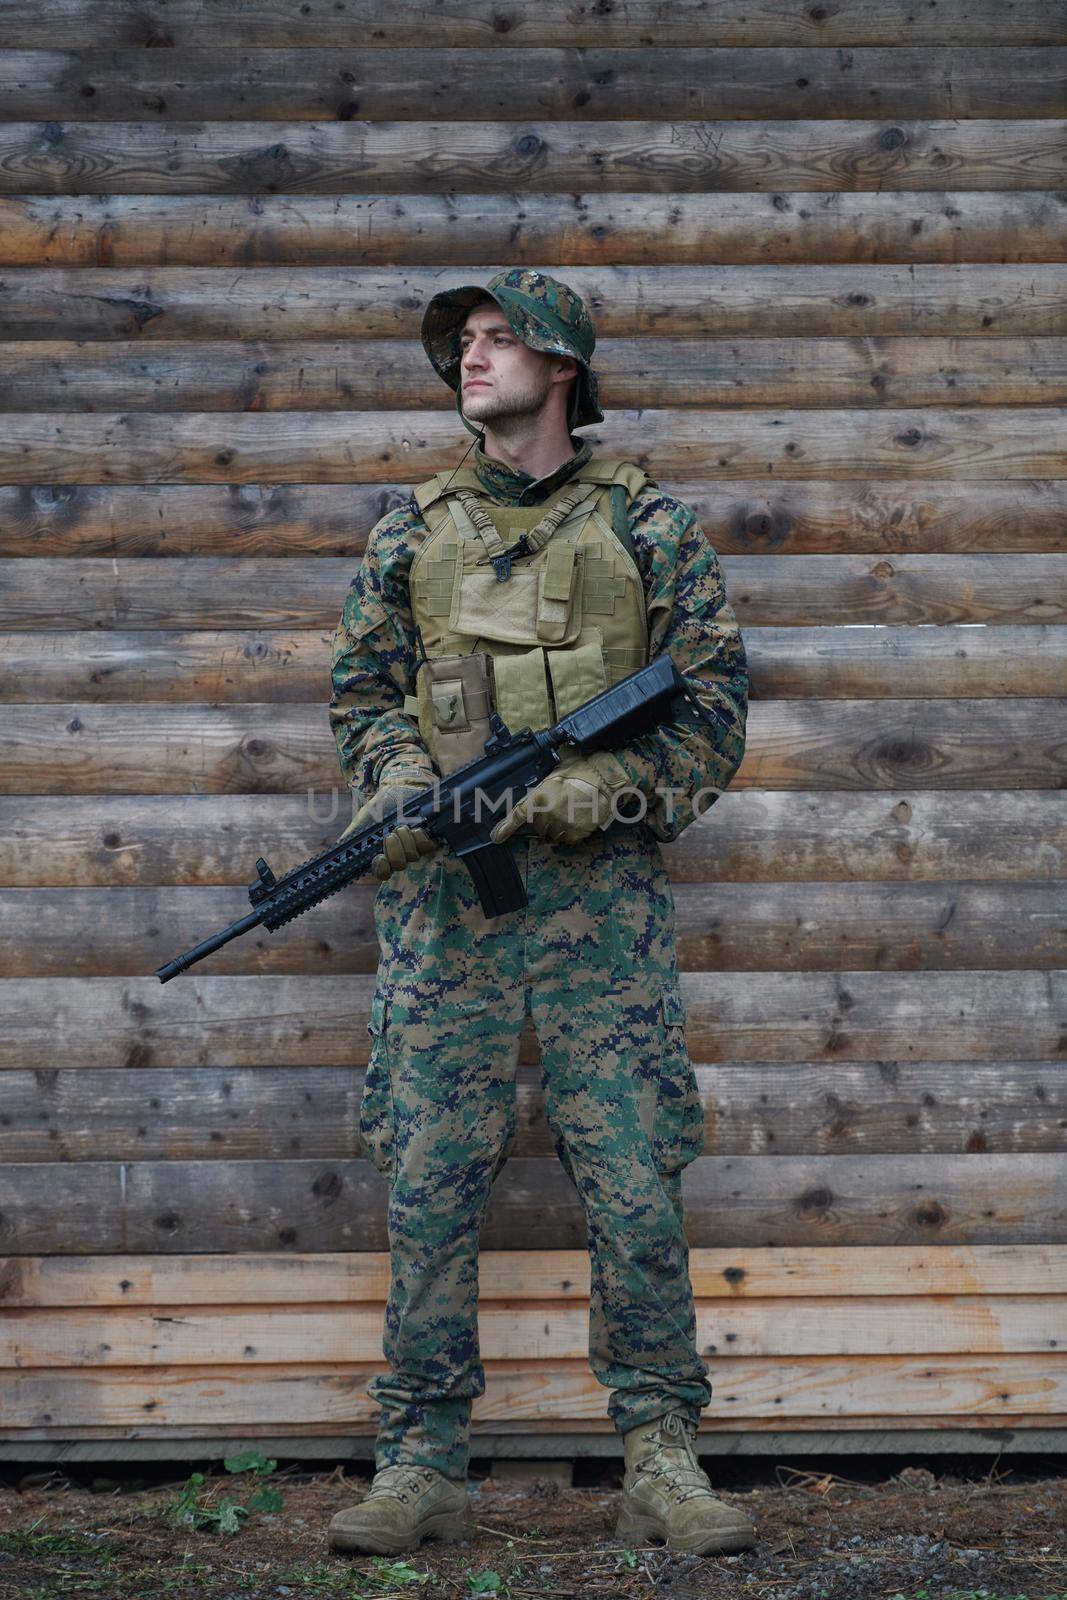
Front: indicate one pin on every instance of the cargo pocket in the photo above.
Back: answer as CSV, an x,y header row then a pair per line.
x,y
679,1109
454,704
377,1131
539,603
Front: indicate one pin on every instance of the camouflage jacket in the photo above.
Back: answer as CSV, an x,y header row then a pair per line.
x,y
688,614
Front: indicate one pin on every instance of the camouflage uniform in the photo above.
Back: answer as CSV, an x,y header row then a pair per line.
x,y
591,958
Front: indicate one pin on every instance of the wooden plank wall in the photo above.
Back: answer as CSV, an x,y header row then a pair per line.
x,y
826,249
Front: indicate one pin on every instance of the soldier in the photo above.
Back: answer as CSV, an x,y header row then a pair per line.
x,y
526,584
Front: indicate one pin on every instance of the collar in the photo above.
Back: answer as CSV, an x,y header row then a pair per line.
x,y
520,488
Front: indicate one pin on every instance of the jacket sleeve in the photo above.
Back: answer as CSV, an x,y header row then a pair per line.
x,y
681,768
373,667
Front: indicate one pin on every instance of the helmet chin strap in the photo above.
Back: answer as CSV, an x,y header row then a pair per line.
x,y
479,433
462,459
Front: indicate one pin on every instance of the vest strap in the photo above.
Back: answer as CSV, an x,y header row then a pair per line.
x,y
472,519
559,513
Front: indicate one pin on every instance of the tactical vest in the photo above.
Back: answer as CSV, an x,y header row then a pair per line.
x,y
532,634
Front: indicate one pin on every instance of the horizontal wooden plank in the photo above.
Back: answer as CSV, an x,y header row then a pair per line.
x,y
741,517
134,593
406,84
319,375
549,1441
200,1019
94,1207
979,1390
783,300
284,666
769,590
749,836
520,1275
275,1113
245,447
279,665
793,927
1025,1433
800,745
330,157
186,1336
77,24
714,230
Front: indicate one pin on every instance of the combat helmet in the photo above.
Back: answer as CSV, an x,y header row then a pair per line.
x,y
543,312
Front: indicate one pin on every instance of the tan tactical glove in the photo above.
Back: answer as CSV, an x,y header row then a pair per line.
x,y
404,845
571,803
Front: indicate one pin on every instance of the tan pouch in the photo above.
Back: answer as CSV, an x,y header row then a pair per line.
x,y
539,604
454,703
557,593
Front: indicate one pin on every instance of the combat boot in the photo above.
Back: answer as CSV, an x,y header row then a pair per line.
x,y
405,1504
666,1494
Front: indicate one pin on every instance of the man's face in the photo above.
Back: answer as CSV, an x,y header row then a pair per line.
x,y
501,376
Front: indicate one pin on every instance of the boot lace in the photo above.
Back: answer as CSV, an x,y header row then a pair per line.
x,y
402,1480
674,1462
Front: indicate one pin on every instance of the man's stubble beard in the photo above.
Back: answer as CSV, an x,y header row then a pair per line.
x,y
519,407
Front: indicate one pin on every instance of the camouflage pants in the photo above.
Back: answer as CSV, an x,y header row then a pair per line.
x,y
592,959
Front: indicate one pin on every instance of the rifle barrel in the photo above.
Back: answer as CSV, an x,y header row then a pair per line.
x,y
217,940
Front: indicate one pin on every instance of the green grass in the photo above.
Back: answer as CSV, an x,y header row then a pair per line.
x,y
28,1542
196,1507
385,1577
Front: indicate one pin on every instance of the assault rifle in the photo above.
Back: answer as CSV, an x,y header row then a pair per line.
x,y
460,811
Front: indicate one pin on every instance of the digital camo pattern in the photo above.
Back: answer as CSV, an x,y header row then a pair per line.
x,y
591,959
689,615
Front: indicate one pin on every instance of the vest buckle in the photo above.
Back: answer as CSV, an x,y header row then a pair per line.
x,y
502,566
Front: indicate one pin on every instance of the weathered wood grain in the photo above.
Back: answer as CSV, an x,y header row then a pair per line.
x,y
293,667
584,230
941,1390
379,446
758,516
503,24
765,590
205,1020
96,1207
749,836
821,1326
329,157
533,1437
510,1275
779,300
773,1108
778,927
96,748
285,375
252,227
410,84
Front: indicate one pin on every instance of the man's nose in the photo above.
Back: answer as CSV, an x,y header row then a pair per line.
x,y
473,357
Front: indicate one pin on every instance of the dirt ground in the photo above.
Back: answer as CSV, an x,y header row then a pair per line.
x,y
837,1530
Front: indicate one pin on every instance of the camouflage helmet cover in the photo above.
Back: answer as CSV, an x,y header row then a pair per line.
x,y
543,312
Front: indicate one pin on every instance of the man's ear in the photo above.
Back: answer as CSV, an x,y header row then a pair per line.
x,y
566,367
